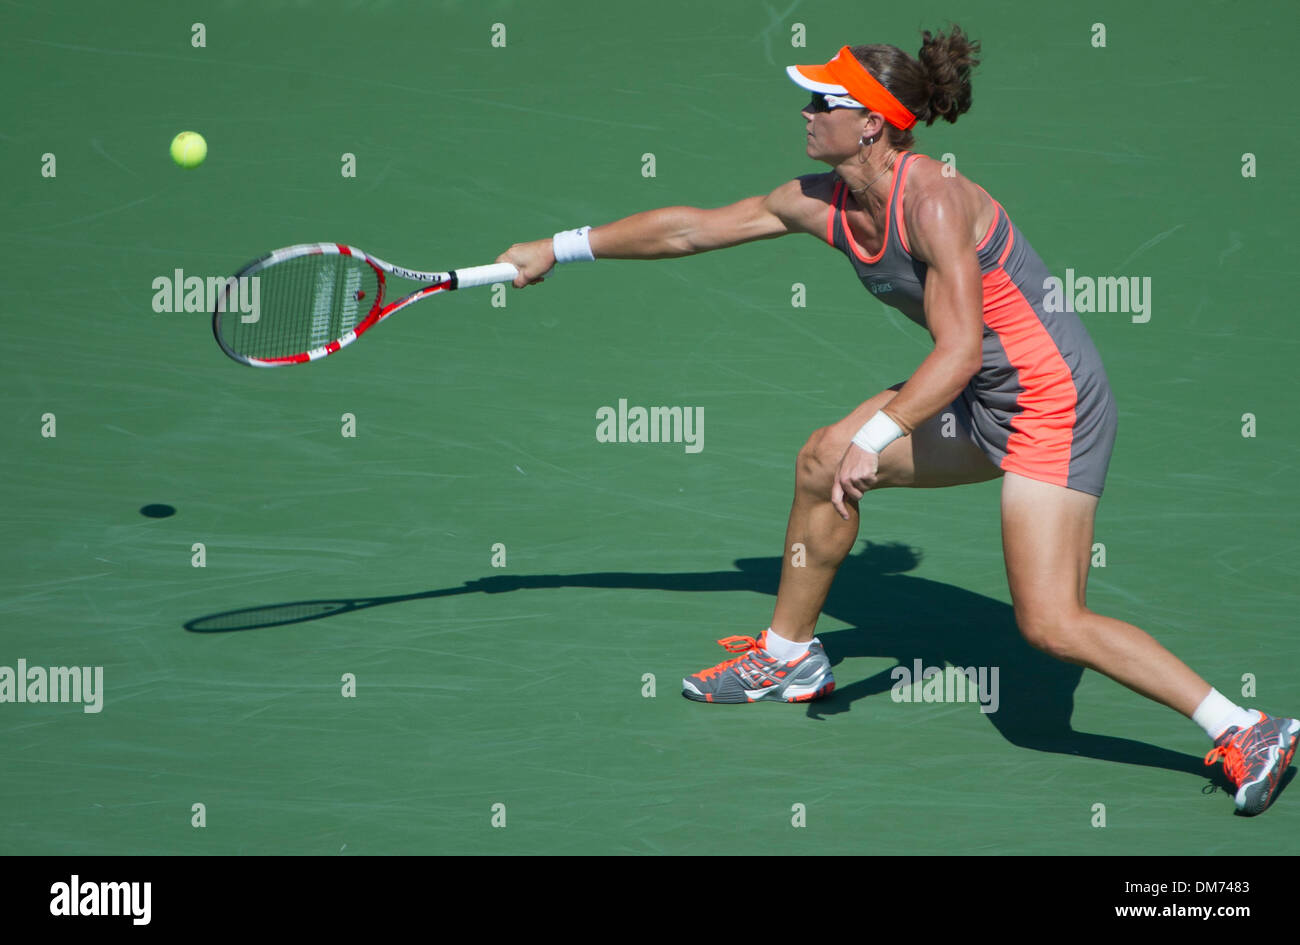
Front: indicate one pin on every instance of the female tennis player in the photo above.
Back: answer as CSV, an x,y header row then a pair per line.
x,y
1023,387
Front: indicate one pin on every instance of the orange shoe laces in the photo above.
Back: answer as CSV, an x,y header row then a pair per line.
x,y
1234,762
1234,759
737,644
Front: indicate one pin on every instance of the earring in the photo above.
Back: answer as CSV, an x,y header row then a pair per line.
x,y
864,143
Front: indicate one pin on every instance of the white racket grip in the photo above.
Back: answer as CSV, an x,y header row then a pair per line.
x,y
473,276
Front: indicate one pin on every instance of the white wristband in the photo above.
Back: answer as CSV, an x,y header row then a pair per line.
x,y
573,246
878,432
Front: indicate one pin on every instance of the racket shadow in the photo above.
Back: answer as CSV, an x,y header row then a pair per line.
x,y
301,611
890,614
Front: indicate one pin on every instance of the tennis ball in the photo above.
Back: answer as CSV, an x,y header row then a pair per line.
x,y
189,149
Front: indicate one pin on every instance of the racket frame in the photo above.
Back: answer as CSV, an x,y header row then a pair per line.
x,y
438,282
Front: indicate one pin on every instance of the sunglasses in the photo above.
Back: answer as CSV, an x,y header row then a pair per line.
x,y
825,103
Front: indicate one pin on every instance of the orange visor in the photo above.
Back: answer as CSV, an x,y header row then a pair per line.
x,y
845,75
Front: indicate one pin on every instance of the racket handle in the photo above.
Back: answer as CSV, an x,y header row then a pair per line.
x,y
473,276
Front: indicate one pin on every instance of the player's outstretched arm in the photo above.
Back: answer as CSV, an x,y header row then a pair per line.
x,y
670,232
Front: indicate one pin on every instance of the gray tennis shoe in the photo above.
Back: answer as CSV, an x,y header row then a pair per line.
x,y
756,675
1255,759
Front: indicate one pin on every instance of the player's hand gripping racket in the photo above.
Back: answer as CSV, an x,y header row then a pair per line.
x,y
315,298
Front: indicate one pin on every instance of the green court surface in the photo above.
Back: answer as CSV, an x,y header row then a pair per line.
x,y
527,685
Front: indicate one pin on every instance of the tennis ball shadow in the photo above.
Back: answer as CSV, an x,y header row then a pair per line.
x,y
890,614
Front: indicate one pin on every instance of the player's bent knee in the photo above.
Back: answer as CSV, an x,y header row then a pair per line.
x,y
813,469
1058,634
820,457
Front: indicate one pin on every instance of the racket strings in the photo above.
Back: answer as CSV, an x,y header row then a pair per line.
x,y
303,303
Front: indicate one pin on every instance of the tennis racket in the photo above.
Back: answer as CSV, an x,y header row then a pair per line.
x,y
314,299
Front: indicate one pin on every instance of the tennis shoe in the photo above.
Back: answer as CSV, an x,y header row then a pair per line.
x,y
756,675
1255,758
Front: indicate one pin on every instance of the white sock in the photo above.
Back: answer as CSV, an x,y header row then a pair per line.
x,y
784,649
1216,714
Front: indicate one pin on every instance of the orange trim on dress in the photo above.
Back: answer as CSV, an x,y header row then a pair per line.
x,y
1011,231
889,212
902,218
902,227
1043,439
830,213
997,212
1011,241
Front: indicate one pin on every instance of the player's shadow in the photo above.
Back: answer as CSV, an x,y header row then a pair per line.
x,y
890,615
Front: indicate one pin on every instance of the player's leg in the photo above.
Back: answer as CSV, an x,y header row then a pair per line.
x,y
938,453
789,667
1047,533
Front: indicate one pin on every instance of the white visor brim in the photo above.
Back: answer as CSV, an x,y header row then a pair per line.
x,y
835,94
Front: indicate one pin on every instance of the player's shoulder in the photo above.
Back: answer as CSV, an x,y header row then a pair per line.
x,y
802,201
931,182
937,195
815,187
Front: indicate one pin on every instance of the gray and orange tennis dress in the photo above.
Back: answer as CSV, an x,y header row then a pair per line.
x,y
1040,404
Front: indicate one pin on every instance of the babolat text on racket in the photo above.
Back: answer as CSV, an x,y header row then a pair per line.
x,y
316,298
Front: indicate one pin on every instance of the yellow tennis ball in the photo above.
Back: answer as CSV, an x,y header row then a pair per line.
x,y
189,149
